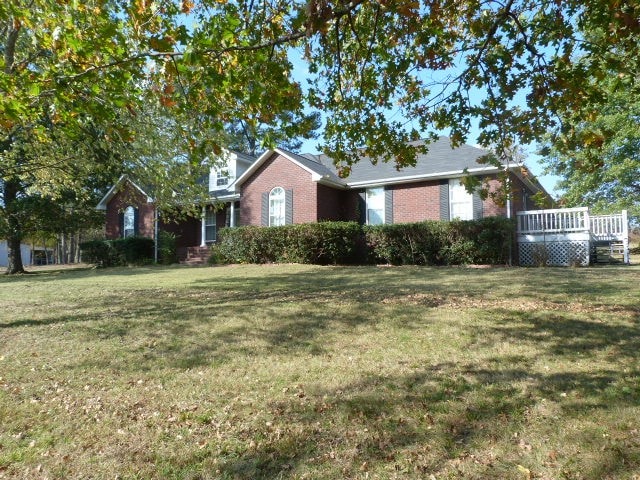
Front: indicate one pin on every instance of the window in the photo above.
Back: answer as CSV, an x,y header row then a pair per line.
x,y
129,222
218,179
210,225
460,201
222,178
375,206
276,207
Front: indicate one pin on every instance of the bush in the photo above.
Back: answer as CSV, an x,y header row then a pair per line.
x,y
485,241
122,251
98,252
316,243
167,253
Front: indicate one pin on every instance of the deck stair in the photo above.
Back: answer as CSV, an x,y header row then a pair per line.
x,y
607,252
194,255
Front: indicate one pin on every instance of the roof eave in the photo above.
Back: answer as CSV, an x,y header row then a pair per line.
x,y
102,205
426,176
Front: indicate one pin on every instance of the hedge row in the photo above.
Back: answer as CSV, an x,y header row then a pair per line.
x,y
122,251
317,243
485,241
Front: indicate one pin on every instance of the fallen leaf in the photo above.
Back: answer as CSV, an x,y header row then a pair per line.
x,y
524,471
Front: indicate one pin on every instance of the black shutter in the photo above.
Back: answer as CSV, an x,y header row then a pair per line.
x,y
121,223
388,206
288,207
264,220
136,228
362,207
477,206
444,200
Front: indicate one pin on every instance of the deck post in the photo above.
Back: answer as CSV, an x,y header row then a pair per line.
x,y
625,236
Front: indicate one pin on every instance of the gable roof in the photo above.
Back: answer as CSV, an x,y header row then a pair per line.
x,y
441,161
319,172
102,205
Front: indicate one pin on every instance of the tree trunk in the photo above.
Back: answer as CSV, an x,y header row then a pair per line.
x,y
14,233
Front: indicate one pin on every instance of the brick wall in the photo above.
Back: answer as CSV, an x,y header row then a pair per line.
x,y
489,207
416,202
129,196
333,204
187,231
277,171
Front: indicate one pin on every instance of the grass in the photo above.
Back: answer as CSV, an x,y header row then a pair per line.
x,y
283,372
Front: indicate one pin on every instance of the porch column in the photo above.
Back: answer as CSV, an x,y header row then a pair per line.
x,y
203,227
232,214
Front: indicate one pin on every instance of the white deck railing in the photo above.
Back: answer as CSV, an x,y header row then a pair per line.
x,y
574,224
610,227
553,221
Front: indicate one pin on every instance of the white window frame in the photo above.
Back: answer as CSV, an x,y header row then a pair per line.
x,y
210,225
276,207
375,200
219,179
222,178
129,222
460,201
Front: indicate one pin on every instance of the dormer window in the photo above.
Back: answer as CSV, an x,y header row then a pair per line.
x,y
219,179
222,178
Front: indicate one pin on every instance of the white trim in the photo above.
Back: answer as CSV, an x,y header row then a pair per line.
x,y
425,176
277,207
102,205
203,227
315,176
380,197
326,180
225,198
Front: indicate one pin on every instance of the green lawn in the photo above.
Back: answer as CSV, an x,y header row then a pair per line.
x,y
283,372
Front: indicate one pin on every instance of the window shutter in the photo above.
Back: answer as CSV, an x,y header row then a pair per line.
x,y
121,224
444,200
388,206
264,221
136,228
288,207
477,206
362,207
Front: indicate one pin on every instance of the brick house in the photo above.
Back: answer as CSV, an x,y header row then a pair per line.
x,y
281,188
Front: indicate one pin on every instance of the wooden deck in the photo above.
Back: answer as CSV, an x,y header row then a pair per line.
x,y
571,236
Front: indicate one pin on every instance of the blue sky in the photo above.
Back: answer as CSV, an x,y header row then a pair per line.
x,y
532,161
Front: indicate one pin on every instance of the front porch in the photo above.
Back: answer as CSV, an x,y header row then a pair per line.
x,y
571,236
195,234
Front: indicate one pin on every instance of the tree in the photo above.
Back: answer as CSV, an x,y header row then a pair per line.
x,y
383,72
599,158
248,136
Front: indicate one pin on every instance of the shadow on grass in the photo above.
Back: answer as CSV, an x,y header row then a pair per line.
x,y
424,423
223,316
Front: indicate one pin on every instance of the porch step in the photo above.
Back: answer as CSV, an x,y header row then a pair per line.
x,y
194,255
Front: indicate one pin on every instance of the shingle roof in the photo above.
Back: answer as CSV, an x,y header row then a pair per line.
x,y
441,159
324,170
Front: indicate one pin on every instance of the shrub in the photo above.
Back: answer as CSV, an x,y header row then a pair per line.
x,y
441,243
122,251
134,250
167,248
98,252
316,243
